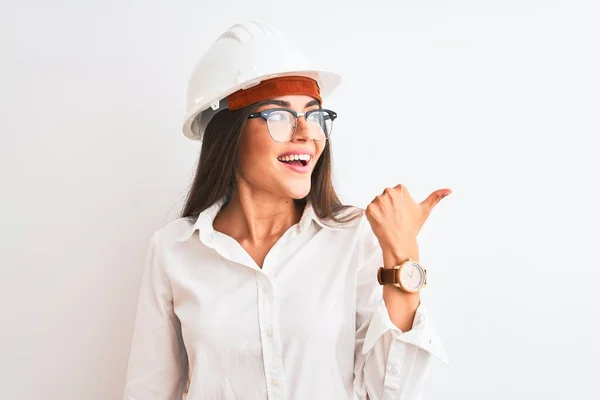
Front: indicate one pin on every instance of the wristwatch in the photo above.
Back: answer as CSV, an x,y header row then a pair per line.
x,y
409,276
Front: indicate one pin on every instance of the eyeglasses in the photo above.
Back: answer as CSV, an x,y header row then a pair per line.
x,y
283,122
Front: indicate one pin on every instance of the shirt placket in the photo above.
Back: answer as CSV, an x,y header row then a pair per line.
x,y
269,335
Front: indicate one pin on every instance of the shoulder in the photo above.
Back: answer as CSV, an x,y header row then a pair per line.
x,y
365,237
357,236
174,231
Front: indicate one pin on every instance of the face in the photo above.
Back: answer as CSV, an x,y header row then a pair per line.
x,y
270,166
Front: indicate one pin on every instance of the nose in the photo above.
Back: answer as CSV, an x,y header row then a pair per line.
x,y
303,133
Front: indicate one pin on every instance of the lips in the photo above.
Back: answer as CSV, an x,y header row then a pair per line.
x,y
298,167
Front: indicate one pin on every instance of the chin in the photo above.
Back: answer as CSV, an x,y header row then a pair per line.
x,y
297,192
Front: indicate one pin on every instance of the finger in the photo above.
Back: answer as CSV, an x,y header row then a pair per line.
x,y
433,199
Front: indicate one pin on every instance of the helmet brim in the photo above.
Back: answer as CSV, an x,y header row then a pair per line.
x,y
328,81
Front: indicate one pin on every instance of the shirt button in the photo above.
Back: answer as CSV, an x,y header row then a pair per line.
x,y
394,371
269,332
274,383
265,288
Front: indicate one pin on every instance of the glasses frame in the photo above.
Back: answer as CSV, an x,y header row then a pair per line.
x,y
265,115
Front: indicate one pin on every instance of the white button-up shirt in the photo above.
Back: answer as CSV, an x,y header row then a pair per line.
x,y
311,324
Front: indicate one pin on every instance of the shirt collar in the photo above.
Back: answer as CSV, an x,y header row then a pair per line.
x,y
204,222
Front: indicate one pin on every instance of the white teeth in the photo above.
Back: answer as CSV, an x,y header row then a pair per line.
x,y
304,157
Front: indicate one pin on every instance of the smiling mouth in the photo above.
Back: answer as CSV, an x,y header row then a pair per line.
x,y
299,160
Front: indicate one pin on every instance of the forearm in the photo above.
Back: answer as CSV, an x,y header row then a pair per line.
x,y
401,305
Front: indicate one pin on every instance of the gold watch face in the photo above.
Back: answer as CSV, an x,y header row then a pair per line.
x,y
412,276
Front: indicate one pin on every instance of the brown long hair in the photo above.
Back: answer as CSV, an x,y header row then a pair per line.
x,y
215,173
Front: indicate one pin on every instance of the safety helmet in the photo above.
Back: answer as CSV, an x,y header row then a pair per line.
x,y
242,57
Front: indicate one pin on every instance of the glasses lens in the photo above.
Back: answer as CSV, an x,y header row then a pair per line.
x,y
322,122
281,125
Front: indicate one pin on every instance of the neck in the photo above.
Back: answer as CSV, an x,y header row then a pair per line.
x,y
257,217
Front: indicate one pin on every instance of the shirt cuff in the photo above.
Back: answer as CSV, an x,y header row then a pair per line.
x,y
422,334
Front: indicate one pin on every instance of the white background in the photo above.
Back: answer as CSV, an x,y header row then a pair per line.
x,y
497,100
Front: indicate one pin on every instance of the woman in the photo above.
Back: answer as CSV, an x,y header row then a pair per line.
x,y
268,287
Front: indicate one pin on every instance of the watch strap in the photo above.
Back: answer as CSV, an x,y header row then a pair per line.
x,y
387,276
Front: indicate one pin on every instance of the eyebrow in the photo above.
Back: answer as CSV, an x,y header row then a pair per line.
x,y
283,103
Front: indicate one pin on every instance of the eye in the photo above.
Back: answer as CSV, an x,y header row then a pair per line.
x,y
316,116
277,116
280,116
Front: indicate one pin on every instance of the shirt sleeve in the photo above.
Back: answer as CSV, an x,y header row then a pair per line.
x,y
389,364
158,360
